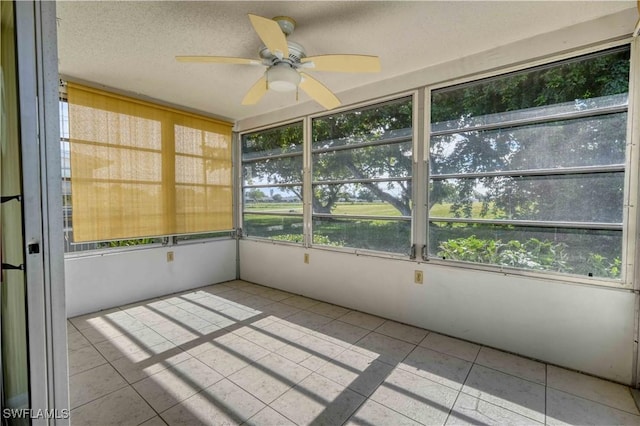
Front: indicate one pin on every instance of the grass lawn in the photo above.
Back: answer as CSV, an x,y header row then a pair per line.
x,y
362,209
381,209
273,207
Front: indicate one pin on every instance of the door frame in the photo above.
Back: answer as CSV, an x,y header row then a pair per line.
x,y
42,202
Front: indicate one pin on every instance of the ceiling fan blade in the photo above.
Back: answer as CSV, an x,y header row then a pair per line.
x,y
256,92
218,59
318,92
344,63
271,34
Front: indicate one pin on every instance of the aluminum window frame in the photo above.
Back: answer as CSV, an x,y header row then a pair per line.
x,y
394,140
242,186
630,167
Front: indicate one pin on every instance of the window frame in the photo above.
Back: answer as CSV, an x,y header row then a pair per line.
x,y
387,100
241,186
307,209
631,169
74,250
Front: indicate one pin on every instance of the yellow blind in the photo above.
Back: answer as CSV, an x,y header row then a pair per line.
x,y
140,170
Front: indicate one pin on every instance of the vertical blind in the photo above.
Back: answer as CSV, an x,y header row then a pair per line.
x,y
141,170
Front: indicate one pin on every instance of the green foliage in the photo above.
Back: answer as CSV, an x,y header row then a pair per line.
x,y
573,85
255,194
581,79
280,140
317,239
350,128
600,266
532,254
126,243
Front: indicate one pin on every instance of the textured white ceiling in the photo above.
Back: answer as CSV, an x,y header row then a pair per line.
x,y
131,46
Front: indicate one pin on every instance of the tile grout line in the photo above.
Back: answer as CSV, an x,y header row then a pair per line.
x,y
546,381
127,385
462,385
507,374
595,401
344,349
131,386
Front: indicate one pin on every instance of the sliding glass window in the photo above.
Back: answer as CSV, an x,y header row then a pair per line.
x,y
527,169
272,183
362,177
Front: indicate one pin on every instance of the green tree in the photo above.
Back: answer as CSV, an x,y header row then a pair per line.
x,y
394,160
255,194
573,86
284,140
349,128
365,195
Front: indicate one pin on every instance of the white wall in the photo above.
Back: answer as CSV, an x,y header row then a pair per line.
x,y
581,327
103,281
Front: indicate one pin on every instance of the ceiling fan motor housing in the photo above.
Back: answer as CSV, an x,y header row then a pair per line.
x,y
296,53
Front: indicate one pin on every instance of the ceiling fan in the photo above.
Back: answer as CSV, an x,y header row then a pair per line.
x,y
285,61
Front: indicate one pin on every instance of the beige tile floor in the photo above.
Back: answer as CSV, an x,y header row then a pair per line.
x,y
239,353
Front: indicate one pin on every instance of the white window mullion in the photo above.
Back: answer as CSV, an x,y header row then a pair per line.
x,y
420,148
307,188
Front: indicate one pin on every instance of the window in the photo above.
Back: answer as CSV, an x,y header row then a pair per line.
x,y
272,183
527,170
70,245
140,170
362,177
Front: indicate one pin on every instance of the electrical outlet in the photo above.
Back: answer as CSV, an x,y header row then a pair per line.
x,y
418,277
169,256
306,258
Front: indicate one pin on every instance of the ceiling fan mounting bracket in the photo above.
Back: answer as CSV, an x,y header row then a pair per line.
x,y
286,23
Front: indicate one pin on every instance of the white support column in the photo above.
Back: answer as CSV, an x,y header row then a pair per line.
x,y
236,173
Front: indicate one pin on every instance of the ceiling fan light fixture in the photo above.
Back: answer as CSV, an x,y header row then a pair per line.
x,y
282,78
